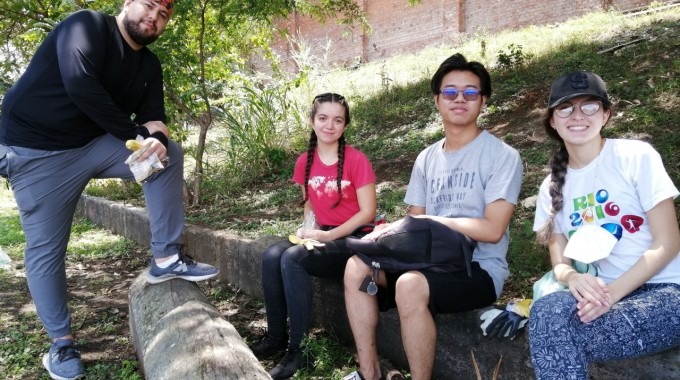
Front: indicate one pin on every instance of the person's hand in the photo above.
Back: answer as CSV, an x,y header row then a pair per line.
x,y
587,288
155,146
318,235
588,311
151,146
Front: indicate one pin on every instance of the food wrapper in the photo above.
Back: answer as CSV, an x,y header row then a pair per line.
x,y
144,169
310,222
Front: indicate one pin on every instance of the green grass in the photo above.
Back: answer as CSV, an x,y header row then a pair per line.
x,y
22,337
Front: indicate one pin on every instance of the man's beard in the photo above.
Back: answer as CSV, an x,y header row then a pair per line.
x,y
136,34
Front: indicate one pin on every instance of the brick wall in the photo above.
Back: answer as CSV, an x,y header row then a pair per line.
x,y
400,28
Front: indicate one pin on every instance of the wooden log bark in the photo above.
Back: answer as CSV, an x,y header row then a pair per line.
x,y
178,334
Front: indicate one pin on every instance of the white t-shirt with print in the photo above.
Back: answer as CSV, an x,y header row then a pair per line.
x,y
616,189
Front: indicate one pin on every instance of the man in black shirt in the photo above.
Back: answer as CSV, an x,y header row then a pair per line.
x,y
90,86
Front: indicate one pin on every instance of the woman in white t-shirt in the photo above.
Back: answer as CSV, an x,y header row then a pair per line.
x,y
631,307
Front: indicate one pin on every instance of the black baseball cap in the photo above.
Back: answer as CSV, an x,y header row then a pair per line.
x,y
577,84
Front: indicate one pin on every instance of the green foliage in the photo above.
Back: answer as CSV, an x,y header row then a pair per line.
x,y
124,370
89,241
12,233
398,105
391,203
513,58
258,132
114,189
323,358
21,345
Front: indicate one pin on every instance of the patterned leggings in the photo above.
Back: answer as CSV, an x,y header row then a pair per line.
x,y
645,322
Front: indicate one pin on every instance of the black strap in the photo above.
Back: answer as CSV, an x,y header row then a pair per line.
x,y
368,227
468,246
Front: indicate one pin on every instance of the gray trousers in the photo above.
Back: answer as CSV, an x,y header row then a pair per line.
x,y
47,186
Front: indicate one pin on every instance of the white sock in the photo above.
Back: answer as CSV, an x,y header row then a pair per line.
x,y
171,260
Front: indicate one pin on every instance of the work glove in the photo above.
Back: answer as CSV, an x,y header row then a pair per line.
x,y
506,323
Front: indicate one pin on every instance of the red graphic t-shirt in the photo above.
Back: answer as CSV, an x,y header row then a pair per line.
x,y
323,190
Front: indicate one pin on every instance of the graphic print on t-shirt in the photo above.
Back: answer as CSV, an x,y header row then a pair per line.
x,y
327,187
598,208
449,188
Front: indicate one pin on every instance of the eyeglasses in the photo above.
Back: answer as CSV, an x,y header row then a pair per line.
x,y
588,108
469,94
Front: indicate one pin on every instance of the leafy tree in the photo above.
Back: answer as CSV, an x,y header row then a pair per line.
x,y
206,51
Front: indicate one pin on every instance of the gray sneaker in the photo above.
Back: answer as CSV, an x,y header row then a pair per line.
x,y
185,268
62,361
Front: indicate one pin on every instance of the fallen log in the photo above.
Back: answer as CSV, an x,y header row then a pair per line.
x,y
178,334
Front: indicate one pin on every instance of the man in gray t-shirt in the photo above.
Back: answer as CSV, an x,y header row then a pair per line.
x,y
470,181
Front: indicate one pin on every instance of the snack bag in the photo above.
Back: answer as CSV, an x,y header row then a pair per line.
x,y
142,169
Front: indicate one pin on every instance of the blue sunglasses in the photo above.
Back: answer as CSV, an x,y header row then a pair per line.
x,y
469,94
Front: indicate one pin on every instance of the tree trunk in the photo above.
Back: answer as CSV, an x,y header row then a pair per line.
x,y
178,334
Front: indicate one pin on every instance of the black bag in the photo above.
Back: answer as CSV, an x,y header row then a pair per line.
x,y
417,243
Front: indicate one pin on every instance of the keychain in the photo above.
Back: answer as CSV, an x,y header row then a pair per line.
x,y
368,285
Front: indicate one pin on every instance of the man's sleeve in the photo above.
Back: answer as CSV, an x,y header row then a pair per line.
x,y
81,52
506,179
415,193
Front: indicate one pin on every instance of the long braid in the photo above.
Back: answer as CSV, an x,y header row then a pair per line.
x,y
341,161
310,159
558,168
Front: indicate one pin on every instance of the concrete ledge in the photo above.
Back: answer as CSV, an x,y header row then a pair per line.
x,y
239,260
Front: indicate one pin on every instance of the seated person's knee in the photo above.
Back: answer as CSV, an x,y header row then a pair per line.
x,y
411,292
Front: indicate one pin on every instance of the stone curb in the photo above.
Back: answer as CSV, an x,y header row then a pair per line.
x,y
457,334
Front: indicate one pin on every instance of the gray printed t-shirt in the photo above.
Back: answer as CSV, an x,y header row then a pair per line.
x,y
462,183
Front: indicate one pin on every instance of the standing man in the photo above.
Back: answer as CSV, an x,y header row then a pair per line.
x,y
91,85
469,181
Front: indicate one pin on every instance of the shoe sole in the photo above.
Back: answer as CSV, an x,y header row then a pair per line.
x,y
268,355
46,362
157,280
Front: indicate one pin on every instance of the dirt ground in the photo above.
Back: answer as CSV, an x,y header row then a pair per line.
x,y
98,291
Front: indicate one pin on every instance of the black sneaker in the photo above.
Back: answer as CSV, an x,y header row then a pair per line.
x,y
287,367
268,346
